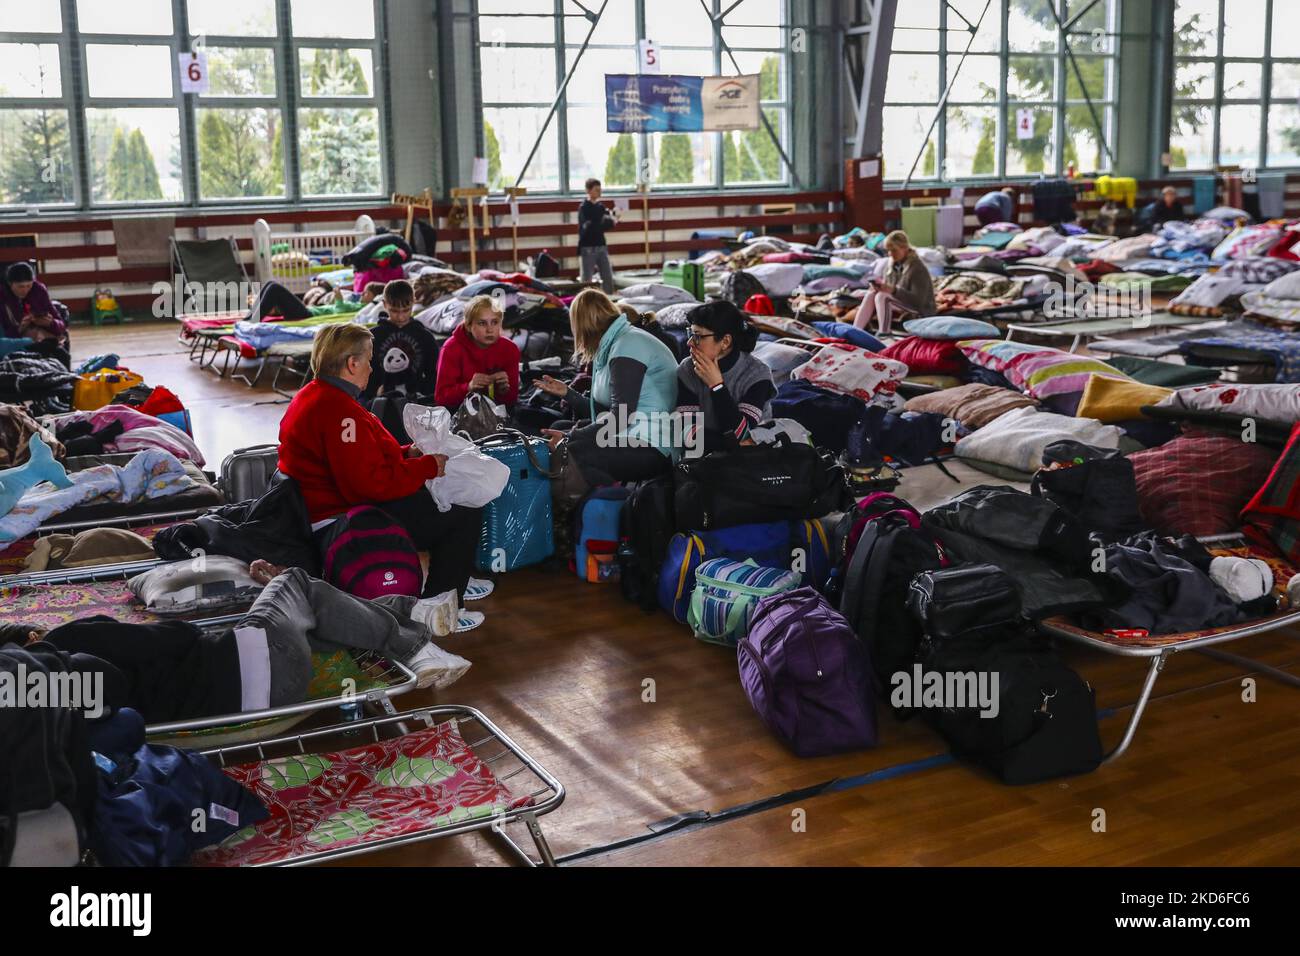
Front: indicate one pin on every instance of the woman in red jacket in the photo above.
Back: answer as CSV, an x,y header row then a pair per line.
x,y
341,456
478,359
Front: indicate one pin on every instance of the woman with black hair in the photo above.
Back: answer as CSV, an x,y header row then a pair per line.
x,y
720,381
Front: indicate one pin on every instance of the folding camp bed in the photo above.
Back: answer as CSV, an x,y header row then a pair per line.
x,y
341,678
411,777
291,359
1158,648
1170,644
1082,330
347,679
1155,346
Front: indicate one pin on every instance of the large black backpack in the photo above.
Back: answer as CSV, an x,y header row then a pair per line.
x,y
889,552
646,526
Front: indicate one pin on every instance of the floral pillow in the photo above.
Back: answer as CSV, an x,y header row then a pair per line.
x,y
849,370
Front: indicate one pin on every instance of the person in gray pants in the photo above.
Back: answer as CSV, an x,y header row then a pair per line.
x,y
173,670
594,219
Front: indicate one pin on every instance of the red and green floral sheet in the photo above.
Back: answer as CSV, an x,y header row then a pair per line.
x,y
417,783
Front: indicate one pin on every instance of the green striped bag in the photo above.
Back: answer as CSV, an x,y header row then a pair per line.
x,y
726,594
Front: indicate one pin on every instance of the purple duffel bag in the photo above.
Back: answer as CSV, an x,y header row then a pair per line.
x,y
807,675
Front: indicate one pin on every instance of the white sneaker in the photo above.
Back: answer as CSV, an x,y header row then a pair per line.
x,y
478,589
468,620
438,614
435,667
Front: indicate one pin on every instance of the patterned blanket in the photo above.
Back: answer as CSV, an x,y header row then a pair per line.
x,y
1282,347
417,783
153,473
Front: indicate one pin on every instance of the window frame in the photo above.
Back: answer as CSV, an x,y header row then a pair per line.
x,y
287,99
1004,104
1215,104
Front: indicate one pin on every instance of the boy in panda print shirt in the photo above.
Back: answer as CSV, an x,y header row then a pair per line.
x,y
406,353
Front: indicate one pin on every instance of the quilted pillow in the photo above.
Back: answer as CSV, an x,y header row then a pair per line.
x,y
1286,287
1197,484
927,356
851,334
950,327
1275,402
852,371
1274,511
675,316
1112,400
973,405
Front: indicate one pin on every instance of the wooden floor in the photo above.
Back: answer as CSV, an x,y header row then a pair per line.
x,y
560,666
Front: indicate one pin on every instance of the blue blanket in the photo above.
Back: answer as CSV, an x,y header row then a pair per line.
x,y
1282,347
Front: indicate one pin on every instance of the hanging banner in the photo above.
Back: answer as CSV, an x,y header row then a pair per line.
x,y
680,104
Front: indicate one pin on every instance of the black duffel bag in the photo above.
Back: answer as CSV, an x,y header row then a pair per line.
x,y
750,484
953,602
1046,721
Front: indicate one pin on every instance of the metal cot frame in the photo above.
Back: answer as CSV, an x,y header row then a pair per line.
x,y
497,748
1158,655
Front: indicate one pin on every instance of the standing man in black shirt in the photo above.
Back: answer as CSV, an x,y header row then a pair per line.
x,y
593,221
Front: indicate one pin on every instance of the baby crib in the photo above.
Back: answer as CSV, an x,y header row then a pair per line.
x,y
294,259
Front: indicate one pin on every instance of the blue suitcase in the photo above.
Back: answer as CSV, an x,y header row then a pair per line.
x,y
517,527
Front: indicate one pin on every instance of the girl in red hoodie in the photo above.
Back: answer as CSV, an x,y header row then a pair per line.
x,y
477,358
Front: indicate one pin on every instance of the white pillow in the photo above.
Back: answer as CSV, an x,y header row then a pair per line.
x,y
1287,287
183,587
657,292
779,279
1017,438
675,316
1273,402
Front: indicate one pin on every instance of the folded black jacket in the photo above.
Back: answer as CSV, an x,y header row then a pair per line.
x,y
275,527
1166,594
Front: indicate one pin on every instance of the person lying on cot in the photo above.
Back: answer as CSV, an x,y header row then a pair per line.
x,y
274,299
174,670
341,456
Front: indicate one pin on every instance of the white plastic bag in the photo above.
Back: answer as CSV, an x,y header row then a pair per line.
x,y
471,479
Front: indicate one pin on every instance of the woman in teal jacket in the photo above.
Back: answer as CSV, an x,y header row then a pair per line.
x,y
631,426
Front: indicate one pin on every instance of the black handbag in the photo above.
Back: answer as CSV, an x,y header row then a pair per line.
x,y
1099,490
952,603
750,484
